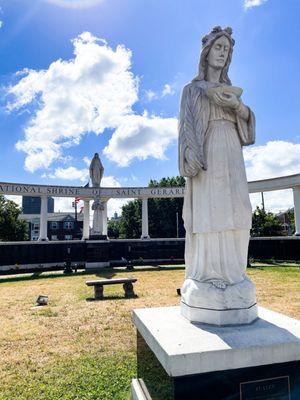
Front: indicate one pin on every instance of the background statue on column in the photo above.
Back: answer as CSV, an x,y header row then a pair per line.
x,y
214,124
96,171
96,174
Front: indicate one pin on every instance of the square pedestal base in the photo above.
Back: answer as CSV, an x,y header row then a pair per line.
x,y
179,360
220,317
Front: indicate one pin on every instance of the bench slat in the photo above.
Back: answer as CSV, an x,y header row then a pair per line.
x,y
110,281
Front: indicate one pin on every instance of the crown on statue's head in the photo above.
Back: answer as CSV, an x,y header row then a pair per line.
x,y
217,32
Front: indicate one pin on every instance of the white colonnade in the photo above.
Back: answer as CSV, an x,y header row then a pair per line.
x,y
105,218
88,194
145,216
43,219
86,220
145,227
296,195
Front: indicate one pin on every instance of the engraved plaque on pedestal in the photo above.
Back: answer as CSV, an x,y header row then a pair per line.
x,y
266,389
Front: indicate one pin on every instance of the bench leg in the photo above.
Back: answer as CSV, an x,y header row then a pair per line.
x,y
98,291
128,289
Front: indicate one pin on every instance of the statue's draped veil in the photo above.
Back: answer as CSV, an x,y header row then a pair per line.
x,y
207,43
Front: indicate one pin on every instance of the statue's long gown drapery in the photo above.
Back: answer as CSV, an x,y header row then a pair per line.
x,y
217,209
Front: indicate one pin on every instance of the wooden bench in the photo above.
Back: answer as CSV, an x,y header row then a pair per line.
x,y
98,286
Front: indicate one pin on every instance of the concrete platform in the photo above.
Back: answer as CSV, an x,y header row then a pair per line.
x,y
185,348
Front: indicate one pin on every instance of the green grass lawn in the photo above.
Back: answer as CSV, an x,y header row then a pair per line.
x,y
80,349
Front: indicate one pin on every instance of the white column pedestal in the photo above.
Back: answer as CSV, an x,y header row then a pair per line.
x,y
43,219
105,218
145,228
86,220
296,195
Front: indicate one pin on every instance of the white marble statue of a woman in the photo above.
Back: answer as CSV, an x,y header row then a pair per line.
x,y
213,127
96,171
96,175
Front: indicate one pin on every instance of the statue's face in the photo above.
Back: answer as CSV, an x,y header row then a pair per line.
x,y
218,54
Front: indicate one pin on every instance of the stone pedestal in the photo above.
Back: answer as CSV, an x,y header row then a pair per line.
x,y
180,360
98,217
228,305
97,254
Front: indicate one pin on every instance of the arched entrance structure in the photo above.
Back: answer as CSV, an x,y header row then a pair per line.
x,y
88,194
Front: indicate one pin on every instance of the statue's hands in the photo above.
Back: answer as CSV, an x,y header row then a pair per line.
x,y
228,100
194,162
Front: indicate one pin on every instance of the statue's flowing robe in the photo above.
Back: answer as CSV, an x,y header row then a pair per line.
x,y
96,171
217,209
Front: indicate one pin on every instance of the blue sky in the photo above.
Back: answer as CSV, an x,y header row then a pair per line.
x,y
120,95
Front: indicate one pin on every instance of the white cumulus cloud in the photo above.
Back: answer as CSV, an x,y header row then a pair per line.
x,y
88,93
16,199
75,3
253,3
276,201
274,159
167,90
151,95
71,174
93,91
140,136
63,204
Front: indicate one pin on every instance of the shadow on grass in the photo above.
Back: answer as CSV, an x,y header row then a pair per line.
x,y
108,274
273,265
117,297
40,275
111,272
105,273
153,268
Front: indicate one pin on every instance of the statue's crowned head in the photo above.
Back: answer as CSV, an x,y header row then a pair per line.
x,y
208,42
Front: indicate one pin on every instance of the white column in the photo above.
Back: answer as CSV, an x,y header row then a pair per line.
x,y
43,218
105,218
145,229
86,220
296,194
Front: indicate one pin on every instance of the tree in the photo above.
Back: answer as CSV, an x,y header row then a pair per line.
x,y
11,228
265,223
162,213
113,228
291,221
131,220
